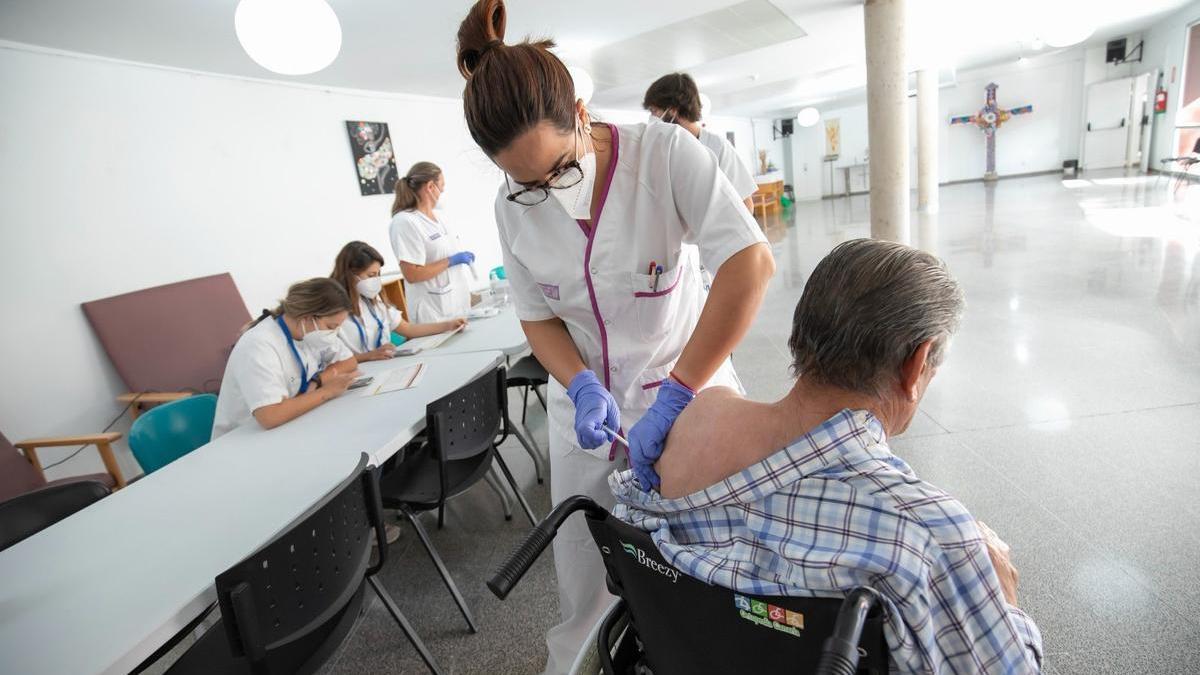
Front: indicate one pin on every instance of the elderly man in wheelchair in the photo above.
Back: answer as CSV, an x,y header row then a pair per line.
x,y
788,535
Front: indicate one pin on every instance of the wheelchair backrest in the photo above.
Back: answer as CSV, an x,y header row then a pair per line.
x,y
688,627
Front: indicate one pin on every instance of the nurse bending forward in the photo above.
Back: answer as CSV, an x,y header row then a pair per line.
x,y
437,270
289,360
593,219
368,330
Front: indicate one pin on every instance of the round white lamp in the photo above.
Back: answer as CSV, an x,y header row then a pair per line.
x,y
584,86
289,37
705,106
808,117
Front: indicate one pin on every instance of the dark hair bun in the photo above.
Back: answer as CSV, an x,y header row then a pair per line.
x,y
479,33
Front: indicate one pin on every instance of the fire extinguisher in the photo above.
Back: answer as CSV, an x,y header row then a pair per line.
x,y
1160,100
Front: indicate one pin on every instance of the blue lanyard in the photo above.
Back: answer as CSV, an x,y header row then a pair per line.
x,y
296,353
362,334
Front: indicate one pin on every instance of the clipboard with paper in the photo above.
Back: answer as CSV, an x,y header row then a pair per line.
x,y
397,379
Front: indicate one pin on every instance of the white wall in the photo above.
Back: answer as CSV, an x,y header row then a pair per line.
x,y
117,177
1165,42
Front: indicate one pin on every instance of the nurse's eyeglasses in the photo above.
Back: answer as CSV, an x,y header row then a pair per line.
x,y
567,175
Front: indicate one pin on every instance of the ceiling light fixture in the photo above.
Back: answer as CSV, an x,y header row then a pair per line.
x,y
1037,45
584,85
808,117
705,106
289,37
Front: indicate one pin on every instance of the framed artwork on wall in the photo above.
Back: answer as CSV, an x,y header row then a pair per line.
x,y
833,137
374,160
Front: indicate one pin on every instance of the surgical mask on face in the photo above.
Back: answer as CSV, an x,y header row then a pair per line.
x,y
662,118
319,337
577,199
369,287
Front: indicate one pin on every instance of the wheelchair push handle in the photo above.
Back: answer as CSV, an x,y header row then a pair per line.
x,y
505,578
840,654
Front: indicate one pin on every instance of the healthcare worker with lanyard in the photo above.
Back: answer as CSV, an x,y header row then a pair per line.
x,y
592,220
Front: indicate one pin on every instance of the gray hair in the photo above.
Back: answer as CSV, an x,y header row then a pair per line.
x,y
867,307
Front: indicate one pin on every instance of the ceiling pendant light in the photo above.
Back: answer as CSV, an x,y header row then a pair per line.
x,y
705,106
584,86
289,37
808,117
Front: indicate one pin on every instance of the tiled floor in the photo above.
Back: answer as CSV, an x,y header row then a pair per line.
x,y
1067,417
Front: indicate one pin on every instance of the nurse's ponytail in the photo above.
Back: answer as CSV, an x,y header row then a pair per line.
x,y
408,185
510,88
319,297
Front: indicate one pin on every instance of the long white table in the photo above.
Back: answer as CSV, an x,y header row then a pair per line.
x,y
501,333
101,590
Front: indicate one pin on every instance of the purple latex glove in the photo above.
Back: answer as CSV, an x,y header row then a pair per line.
x,y
649,435
594,407
462,258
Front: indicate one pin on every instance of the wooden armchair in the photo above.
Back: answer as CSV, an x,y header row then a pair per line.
x,y
21,469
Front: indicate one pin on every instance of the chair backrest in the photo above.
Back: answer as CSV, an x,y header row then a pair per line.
x,y
175,337
288,606
687,626
465,422
26,515
169,431
17,475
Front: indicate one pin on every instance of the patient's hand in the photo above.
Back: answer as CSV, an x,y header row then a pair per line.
x,y
998,551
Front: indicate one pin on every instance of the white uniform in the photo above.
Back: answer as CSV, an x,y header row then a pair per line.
x,y
730,162
663,189
419,240
372,328
262,370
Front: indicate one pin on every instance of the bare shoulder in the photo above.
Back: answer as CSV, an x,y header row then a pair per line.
x,y
700,449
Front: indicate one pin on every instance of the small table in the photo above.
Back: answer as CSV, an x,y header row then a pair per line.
x,y
501,333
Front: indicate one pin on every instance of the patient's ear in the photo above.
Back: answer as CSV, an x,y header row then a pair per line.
x,y
913,368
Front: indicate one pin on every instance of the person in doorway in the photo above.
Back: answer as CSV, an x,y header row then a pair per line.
x,y
675,99
593,220
437,270
289,360
367,331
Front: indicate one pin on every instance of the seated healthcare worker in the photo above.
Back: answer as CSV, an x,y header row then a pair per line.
x,y
436,269
289,360
372,318
675,99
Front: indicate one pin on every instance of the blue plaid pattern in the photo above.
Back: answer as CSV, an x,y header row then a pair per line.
x,y
834,510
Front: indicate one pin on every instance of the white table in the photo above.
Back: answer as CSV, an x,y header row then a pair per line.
x,y
498,333
99,591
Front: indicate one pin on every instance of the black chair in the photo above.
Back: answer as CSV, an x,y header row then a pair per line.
x,y
289,606
459,450
25,515
527,373
673,624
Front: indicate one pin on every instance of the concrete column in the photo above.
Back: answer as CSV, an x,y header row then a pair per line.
x,y
927,141
887,117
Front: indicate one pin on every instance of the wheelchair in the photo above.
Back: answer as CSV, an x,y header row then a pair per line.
x,y
667,623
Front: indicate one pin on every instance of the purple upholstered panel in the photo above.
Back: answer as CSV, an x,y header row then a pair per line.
x,y
175,337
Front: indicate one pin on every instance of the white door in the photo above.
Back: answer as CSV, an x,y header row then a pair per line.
x,y
1106,131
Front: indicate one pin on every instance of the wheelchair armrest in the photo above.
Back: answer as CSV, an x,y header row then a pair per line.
x,y
527,553
840,653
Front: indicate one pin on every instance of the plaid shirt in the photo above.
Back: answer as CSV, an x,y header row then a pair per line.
x,y
834,510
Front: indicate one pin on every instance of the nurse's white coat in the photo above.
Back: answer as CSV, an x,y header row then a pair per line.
x,y
418,240
730,162
665,190
366,327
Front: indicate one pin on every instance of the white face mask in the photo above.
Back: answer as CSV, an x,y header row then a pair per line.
x,y
662,118
369,287
319,337
577,199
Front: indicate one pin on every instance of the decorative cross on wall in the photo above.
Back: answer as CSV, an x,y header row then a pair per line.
x,y
989,118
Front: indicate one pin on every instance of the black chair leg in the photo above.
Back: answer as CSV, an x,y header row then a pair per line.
x,y
541,399
405,626
513,484
441,515
530,448
441,568
524,404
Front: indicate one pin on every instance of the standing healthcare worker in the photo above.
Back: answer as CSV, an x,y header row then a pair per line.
x,y
368,330
593,219
675,99
436,269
